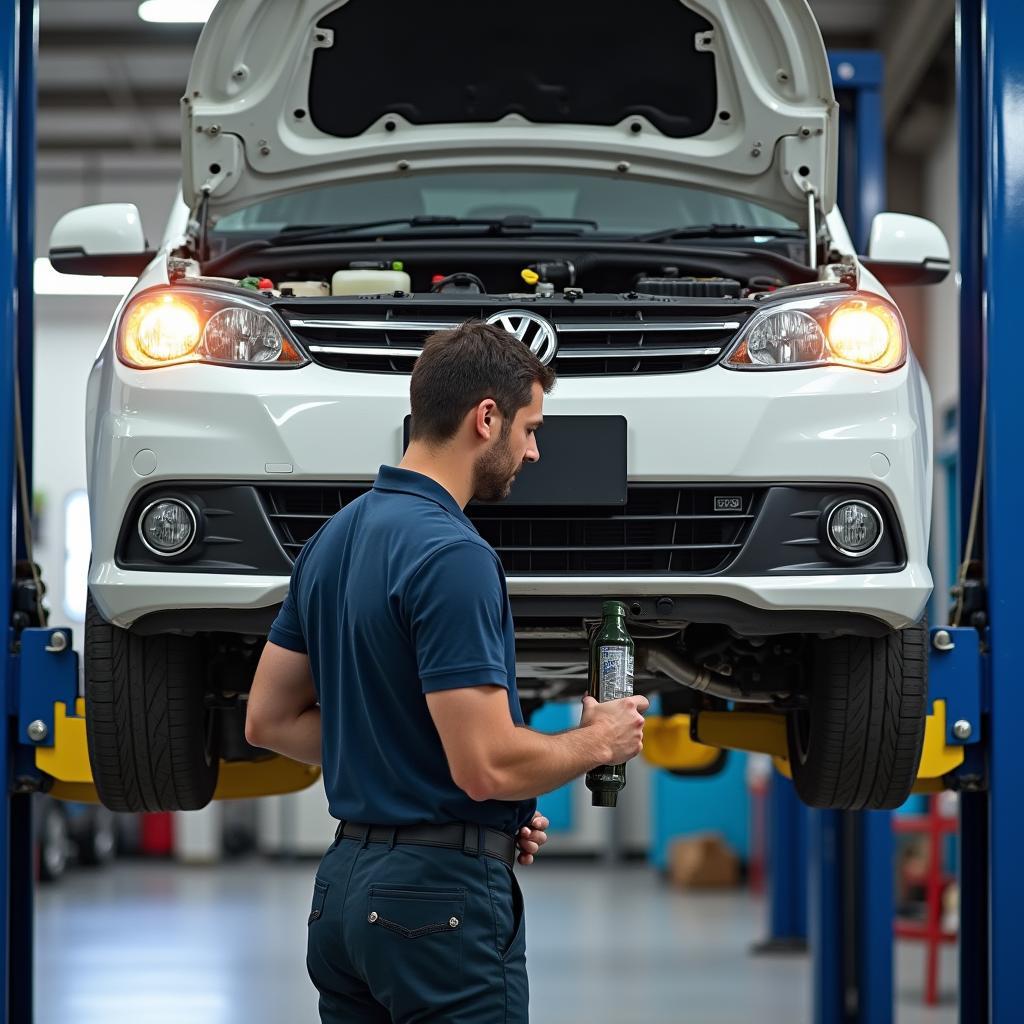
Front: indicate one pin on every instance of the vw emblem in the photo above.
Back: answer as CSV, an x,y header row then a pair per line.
x,y
534,331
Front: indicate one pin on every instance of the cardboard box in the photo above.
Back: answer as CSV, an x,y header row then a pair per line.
x,y
703,861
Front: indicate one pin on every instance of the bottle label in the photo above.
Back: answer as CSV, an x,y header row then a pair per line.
x,y
616,673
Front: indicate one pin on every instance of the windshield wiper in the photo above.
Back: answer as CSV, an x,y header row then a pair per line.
x,y
718,231
495,225
511,225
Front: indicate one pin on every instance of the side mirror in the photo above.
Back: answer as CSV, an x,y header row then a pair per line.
x,y
906,250
103,240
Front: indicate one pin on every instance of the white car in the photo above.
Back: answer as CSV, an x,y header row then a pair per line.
x,y
739,444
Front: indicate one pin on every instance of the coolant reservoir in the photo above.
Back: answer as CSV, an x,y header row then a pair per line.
x,y
371,280
305,288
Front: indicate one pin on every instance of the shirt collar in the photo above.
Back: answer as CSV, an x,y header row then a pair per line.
x,y
405,481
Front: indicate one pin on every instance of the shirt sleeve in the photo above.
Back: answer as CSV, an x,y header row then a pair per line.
x,y
456,607
287,628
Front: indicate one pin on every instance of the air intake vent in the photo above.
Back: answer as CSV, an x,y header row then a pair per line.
x,y
663,528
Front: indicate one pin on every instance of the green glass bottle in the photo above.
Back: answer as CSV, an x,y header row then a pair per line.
x,y
611,678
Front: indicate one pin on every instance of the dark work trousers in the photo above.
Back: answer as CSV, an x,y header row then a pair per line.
x,y
413,934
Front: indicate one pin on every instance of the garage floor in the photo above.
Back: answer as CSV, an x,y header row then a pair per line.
x,y
226,944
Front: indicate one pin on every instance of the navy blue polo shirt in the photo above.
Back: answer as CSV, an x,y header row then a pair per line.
x,y
395,597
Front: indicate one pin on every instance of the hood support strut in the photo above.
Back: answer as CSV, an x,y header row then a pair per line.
x,y
812,229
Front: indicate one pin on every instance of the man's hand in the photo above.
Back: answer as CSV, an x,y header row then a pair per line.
x,y
532,837
621,724
492,758
282,714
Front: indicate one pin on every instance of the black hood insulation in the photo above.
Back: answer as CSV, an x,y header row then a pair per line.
x,y
593,62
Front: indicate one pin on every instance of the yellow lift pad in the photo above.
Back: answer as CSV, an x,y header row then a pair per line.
x,y
680,741
668,744
938,758
67,763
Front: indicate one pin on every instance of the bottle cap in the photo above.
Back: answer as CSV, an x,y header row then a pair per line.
x,y
605,798
613,608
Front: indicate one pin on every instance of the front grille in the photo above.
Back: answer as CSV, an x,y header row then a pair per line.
x,y
663,528
594,338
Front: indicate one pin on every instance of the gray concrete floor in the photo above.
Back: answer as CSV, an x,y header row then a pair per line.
x,y
225,945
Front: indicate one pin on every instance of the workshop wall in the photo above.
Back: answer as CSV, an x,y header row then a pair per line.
x,y
942,357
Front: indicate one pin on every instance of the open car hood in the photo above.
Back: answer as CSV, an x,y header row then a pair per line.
x,y
730,95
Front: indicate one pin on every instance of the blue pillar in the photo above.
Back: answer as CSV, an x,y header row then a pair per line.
x,y
974,807
8,339
786,877
857,79
850,896
851,917
22,854
1002,185
825,916
17,156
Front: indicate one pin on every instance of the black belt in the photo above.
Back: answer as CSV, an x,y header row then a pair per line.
x,y
475,840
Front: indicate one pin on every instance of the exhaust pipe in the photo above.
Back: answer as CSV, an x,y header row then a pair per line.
x,y
679,670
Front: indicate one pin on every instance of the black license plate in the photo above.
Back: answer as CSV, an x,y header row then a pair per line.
x,y
582,462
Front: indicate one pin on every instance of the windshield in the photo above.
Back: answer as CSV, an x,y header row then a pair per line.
x,y
618,205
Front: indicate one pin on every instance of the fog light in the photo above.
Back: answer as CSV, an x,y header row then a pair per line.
x,y
854,528
167,527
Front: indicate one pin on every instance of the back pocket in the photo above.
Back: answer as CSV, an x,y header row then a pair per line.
x,y
414,912
320,888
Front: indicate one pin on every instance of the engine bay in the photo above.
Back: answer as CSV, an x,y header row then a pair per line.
x,y
501,267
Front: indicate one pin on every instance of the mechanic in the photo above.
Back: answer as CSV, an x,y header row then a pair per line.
x,y
392,664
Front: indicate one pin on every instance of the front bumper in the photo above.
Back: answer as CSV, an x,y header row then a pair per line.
x,y
206,423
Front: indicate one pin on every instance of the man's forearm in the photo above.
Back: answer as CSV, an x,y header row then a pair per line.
x,y
534,763
298,738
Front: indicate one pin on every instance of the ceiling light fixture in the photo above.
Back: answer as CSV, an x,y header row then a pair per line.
x,y
166,11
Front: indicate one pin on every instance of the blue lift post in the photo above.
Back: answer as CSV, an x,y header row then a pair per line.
x,y
786,875
991,69
974,807
857,80
850,878
17,211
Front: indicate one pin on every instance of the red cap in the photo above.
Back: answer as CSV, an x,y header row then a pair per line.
x,y
437,277
264,284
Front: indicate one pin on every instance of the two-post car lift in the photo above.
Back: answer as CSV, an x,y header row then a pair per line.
x,y
974,664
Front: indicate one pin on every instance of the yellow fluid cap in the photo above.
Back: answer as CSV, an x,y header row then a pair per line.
x,y
529,276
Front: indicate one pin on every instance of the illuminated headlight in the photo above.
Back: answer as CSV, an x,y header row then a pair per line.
x,y
167,527
865,332
854,528
172,326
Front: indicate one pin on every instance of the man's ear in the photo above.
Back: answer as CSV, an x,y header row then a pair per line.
x,y
486,419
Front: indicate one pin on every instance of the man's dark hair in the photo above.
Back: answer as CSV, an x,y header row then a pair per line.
x,y
459,368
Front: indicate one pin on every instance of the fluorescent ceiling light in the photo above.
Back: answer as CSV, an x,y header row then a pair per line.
x,y
176,10
48,282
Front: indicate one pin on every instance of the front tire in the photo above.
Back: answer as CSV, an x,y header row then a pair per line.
x,y
858,745
151,745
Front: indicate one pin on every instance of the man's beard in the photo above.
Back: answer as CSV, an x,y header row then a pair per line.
x,y
495,472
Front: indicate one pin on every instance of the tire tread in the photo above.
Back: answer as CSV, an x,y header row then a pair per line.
x,y
867,718
145,719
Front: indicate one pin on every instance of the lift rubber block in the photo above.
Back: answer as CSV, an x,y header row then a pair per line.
x,y
669,745
66,762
